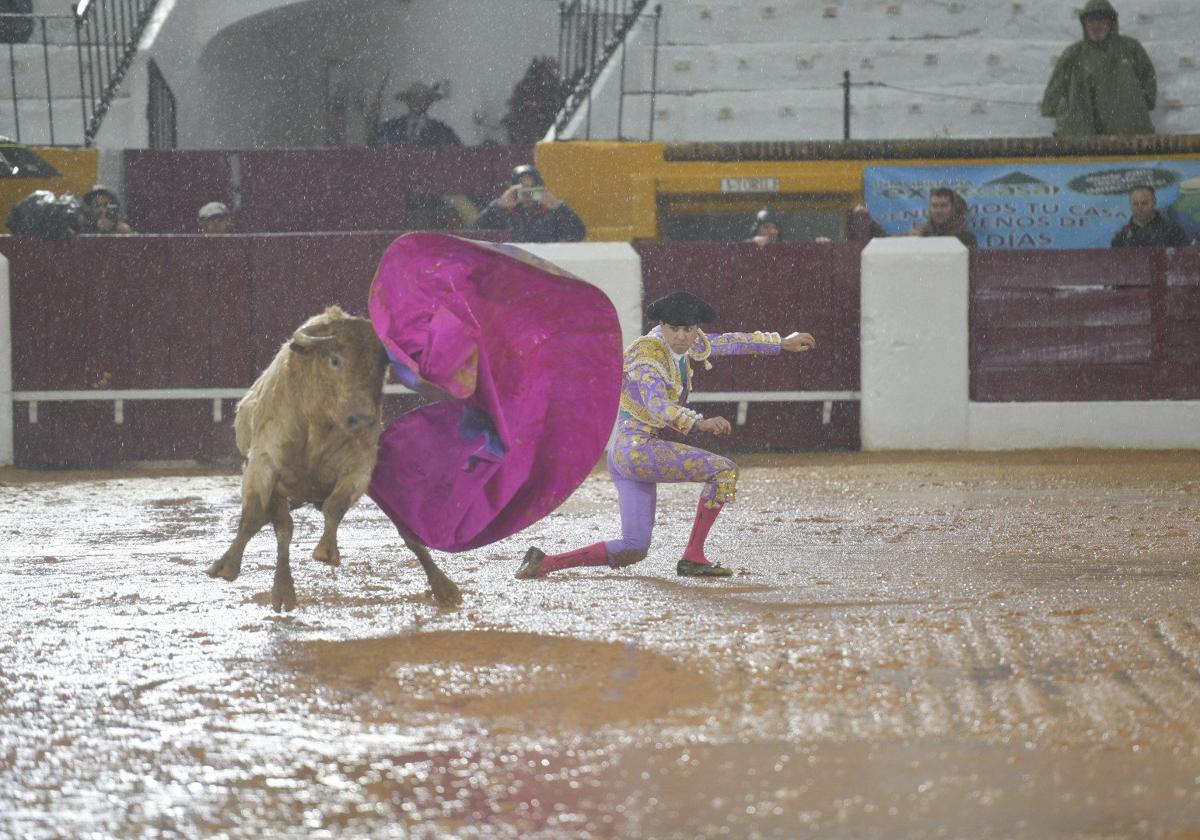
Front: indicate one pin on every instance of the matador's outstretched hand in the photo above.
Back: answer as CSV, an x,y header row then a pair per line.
x,y
799,342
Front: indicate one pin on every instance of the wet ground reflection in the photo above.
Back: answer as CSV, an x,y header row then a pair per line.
x,y
910,646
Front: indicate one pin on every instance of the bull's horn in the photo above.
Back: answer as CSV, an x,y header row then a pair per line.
x,y
302,342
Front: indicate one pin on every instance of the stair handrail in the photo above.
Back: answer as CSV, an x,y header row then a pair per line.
x,y
107,33
589,33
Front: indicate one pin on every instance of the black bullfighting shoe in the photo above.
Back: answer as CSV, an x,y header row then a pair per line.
x,y
531,564
687,568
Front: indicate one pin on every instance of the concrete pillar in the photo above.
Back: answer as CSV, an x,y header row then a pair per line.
x,y
915,371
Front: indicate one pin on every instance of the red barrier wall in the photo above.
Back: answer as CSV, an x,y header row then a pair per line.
x,y
309,190
808,287
150,312
1085,325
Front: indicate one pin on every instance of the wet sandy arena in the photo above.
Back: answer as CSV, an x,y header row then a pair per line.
x,y
911,646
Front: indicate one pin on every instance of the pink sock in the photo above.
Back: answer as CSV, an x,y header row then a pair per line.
x,y
705,517
590,555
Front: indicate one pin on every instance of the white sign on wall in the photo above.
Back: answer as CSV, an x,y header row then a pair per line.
x,y
750,185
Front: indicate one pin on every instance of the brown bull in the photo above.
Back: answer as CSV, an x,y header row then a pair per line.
x,y
309,430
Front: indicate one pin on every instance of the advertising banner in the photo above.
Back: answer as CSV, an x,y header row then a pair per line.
x,y
1037,205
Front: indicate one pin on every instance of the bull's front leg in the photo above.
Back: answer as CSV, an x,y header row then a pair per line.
x,y
345,493
444,590
258,481
283,590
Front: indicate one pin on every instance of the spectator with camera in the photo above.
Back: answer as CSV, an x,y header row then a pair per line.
x,y
531,212
102,212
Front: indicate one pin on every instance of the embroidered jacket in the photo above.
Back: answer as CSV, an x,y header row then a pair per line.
x,y
656,387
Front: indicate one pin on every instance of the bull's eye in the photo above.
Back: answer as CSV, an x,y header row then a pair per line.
x,y
335,362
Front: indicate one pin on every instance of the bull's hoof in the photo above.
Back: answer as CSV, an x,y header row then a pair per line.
x,y
283,595
225,568
330,557
445,592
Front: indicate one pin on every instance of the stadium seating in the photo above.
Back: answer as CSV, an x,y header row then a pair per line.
x,y
773,69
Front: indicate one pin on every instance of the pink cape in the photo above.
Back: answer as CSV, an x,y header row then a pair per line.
x,y
526,360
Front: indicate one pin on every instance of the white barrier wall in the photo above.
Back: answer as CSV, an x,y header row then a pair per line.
x,y
1157,424
614,267
916,379
6,380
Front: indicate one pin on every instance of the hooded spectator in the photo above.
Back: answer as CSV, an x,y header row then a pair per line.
x,y
45,216
1102,84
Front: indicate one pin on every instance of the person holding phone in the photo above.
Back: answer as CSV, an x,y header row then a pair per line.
x,y
102,212
531,212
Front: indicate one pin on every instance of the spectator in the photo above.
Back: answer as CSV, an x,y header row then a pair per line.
x,y
861,226
531,212
1102,84
1148,227
767,228
215,217
102,212
947,217
416,128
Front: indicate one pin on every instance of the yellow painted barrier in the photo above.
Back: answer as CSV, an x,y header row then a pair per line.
x,y
622,189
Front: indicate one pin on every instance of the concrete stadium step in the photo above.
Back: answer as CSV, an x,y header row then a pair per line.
x,y
816,21
35,118
782,66
725,116
59,23
28,63
876,113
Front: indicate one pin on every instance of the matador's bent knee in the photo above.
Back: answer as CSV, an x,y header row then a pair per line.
x,y
722,487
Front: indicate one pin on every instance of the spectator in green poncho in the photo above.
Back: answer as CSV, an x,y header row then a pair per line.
x,y
1103,84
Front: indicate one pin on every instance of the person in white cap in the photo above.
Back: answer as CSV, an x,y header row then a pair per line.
x,y
215,217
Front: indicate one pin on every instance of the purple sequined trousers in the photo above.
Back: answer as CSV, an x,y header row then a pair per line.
x,y
639,459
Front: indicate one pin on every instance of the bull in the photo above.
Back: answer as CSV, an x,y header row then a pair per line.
x,y
309,430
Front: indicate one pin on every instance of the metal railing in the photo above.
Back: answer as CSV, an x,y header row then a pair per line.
x,y
38,25
161,110
104,35
589,33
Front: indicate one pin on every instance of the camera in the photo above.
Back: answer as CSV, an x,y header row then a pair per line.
x,y
533,195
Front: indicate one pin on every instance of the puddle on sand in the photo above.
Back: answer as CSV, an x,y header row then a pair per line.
x,y
505,680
